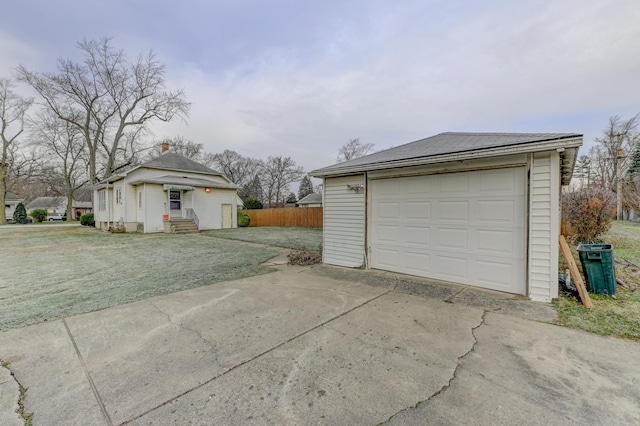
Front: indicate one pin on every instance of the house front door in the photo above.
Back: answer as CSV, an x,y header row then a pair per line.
x,y
175,203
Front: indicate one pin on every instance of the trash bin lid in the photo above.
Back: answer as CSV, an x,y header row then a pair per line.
x,y
595,247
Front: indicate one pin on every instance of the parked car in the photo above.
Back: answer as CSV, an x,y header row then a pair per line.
x,y
57,217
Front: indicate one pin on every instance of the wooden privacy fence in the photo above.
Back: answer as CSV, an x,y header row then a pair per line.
x,y
306,217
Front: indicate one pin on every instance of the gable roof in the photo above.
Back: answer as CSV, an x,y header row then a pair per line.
x,y
451,146
46,202
185,181
172,161
314,198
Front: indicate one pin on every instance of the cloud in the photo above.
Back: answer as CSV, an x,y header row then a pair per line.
x,y
301,79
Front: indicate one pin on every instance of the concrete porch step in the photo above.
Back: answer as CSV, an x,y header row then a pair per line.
x,y
182,226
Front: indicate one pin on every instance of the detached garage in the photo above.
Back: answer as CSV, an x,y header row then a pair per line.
x,y
479,209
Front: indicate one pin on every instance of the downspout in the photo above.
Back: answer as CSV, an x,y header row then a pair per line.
x,y
366,220
106,196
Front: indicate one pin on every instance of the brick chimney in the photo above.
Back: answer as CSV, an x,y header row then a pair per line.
x,y
165,147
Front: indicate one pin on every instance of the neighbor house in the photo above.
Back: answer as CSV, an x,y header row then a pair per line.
x,y
53,205
158,194
11,201
480,209
311,200
78,208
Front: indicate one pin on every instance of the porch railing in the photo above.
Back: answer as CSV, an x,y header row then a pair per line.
x,y
191,214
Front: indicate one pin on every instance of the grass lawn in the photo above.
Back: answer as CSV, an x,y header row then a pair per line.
x,y
287,237
615,316
49,273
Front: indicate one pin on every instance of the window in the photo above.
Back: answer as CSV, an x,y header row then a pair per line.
x,y
118,195
102,199
140,199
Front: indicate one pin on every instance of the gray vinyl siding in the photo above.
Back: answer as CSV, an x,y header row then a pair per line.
x,y
344,222
543,227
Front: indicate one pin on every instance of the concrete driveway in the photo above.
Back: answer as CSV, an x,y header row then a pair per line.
x,y
320,346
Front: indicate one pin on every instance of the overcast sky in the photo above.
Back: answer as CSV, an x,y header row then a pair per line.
x,y
301,78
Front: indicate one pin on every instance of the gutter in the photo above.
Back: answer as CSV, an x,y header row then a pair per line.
x,y
445,158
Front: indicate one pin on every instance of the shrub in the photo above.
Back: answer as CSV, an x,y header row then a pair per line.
x,y
87,220
252,204
39,215
20,214
304,256
588,213
243,219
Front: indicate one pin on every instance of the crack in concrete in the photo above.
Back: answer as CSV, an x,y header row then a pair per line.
x,y
451,298
453,376
182,326
22,393
94,389
255,357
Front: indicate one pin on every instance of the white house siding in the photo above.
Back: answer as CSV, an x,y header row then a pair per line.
x,y
344,222
210,214
544,226
155,200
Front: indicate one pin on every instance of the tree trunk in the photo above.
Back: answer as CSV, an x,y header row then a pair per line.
x,y
3,192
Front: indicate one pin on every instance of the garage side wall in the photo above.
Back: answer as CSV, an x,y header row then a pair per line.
x,y
544,226
344,221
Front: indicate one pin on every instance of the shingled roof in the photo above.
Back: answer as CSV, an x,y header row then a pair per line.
x,y
177,162
449,144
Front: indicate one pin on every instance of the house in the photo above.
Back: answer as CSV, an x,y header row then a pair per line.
x,y
78,208
481,209
311,200
53,205
156,195
11,201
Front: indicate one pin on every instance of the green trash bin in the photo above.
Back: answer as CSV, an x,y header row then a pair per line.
x,y
598,267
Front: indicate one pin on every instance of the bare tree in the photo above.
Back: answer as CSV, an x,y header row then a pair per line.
x,y
353,149
66,171
12,120
179,145
612,157
279,172
109,99
243,171
613,149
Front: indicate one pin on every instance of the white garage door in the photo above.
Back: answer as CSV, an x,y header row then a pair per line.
x,y
466,227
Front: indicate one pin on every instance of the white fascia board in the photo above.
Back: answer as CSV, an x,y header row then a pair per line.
x,y
460,156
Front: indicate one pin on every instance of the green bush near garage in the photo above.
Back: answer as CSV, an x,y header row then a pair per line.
x,y
243,219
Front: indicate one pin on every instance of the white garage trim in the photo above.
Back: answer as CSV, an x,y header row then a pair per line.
x,y
466,227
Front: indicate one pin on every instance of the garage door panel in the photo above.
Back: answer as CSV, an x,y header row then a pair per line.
x,y
417,262
492,241
420,210
454,211
417,235
388,258
498,181
453,184
498,211
466,227
495,274
453,238
452,268
389,210
387,233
